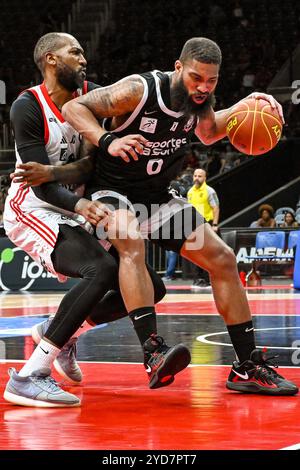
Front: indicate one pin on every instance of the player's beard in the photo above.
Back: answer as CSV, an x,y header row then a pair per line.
x,y
184,103
69,78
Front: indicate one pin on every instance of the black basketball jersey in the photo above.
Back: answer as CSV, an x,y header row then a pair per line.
x,y
147,180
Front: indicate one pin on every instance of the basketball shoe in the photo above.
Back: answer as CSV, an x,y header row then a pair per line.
x,y
38,389
162,362
258,375
65,363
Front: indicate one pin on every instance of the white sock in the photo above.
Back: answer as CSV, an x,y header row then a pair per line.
x,y
43,356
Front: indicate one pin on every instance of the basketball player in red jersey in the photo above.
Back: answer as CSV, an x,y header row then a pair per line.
x,y
148,118
49,222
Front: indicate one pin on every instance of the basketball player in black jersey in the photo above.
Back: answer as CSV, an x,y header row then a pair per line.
x,y
148,119
76,253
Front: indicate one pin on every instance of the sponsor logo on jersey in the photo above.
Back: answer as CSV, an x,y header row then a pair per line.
x,y
164,147
63,149
189,125
148,125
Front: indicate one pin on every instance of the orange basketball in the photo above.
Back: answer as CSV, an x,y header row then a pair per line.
x,y
253,127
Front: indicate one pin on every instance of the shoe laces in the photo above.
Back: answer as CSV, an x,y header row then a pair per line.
x,y
71,347
153,356
161,345
49,381
266,366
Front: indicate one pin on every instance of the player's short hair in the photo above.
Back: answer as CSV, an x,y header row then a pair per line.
x,y
201,49
50,42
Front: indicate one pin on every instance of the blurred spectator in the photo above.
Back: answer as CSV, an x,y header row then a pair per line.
x,y
217,16
191,158
266,217
172,257
215,163
180,189
289,220
248,81
237,11
229,159
47,23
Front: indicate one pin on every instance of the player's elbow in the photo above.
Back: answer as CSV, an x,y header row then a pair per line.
x,y
70,109
206,141
66,110
206,138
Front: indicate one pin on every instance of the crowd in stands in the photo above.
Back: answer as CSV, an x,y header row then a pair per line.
x,y
256,40
284,217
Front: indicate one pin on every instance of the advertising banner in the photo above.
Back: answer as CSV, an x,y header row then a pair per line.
x,y
19,272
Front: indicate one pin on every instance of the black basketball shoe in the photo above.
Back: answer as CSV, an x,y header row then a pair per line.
x,y
257,375
162,362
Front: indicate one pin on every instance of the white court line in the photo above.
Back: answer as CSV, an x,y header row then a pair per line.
x,y
294,447
202,338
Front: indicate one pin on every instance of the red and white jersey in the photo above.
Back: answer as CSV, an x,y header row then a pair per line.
x,y
62,143
29,222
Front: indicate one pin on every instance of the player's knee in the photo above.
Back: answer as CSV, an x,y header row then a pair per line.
x,y
123,226
224,260
98,266
133,249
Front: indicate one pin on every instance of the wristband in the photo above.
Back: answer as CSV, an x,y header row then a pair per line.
x,y
214,225
105,141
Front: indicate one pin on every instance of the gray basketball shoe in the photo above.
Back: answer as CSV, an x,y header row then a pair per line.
x,y
65,363
38,389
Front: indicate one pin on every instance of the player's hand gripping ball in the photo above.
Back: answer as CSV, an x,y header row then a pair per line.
x,y
253,127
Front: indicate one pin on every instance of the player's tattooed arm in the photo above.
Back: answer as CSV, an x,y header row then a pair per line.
x,y
118,99
74,173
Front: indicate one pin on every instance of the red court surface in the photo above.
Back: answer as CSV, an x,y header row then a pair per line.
x,y
119,412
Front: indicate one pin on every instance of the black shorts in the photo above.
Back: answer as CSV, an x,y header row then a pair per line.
x,y
167,225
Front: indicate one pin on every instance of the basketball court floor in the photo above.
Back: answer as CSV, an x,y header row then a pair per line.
x,y
118,409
